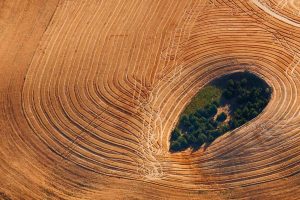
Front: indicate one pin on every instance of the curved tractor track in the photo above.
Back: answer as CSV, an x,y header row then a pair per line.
x,y
91,90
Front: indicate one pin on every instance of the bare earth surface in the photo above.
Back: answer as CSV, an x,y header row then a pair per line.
x,y
91,89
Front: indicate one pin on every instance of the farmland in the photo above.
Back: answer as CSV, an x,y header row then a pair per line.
x,y
91,90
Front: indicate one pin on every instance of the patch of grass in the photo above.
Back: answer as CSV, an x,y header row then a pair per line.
x,y
203,98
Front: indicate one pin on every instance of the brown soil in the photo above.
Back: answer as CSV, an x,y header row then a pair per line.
x,y
226,110
91,89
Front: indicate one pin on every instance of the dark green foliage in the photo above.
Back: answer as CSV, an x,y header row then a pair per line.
x,y
182,141
216,103
250,100
180,144
267,92
249,97
244,82
230,83
184,123
233,124
210,139
212,110
190,132
224,128
215,133
175,146
175,134
213,123
227,94
193,139
202,138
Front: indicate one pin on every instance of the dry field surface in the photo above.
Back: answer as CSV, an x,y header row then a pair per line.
x,y
91,89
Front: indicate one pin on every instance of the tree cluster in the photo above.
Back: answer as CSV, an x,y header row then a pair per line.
x,y
198,128
246,100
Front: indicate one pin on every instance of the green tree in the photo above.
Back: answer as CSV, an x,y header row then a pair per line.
x,y
253,113
175,146
227,94
183,142
201,113
216,103
192,119
244,82
224,128
230,83
175,134
184,123
202,139
267,92
212,110
233,124
210,139
215,133
193,140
